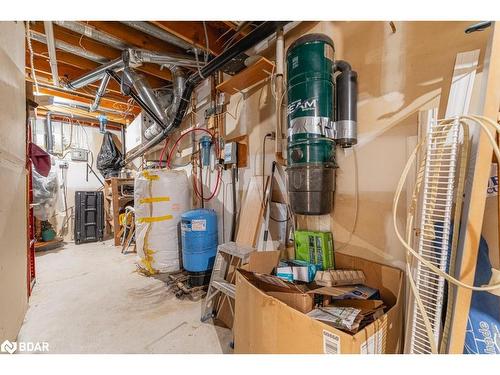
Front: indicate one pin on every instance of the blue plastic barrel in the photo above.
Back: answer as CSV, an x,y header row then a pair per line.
x,y
199,239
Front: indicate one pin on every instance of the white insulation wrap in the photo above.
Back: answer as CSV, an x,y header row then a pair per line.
x,y
160,197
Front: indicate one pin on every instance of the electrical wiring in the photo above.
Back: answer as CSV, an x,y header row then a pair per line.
x,y
32,64
65,148
356,200
218,178
162,153
219,175
198,63
174,148
268,135
217,184
408,247
206,40
405,242
413,252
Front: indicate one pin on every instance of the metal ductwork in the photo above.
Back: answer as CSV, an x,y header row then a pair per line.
x,y
66,47
158,33
132,79
96,74
48,133
129,57
100,93
179,81
260,33
49,31
150,102
93,33
143,56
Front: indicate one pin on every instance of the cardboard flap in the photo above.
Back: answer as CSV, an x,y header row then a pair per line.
x,y
268,283
263,261
301,302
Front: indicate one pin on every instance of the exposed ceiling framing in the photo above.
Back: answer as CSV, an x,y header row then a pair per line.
x,y
100,41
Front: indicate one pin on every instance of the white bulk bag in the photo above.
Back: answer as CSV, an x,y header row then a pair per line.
x,y
160,197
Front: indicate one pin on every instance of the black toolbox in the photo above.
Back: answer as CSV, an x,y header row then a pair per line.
x,y
89,216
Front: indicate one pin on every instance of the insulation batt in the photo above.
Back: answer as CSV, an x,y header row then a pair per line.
x,y
160,197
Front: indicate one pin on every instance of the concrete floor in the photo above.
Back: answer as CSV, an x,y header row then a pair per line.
x,y
90,299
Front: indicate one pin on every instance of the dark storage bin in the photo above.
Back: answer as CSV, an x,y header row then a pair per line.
x,y
89,216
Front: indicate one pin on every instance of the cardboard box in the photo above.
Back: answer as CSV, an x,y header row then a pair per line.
x,y
293,295
266,324
259,261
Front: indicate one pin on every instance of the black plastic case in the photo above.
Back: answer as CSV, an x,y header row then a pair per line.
x,y
89,216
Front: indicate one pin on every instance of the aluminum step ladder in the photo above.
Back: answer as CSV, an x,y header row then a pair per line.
x,y
219,286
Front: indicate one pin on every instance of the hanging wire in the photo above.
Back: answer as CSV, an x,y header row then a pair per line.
x,y
32,64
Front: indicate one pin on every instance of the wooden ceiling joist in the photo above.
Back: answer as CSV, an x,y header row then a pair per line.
x,y
79,97
103,50
68,73
135,37
89,53
193,32
234,26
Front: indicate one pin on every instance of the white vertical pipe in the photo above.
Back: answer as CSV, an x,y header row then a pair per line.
x,y
51,46
280,62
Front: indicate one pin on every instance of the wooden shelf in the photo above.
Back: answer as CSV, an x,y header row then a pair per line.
x,y
115,202
48,245
248,77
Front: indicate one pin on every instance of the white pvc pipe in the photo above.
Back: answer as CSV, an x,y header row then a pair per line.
x,y
280,63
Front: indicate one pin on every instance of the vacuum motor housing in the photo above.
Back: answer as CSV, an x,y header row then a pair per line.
x,y
311,154
314,125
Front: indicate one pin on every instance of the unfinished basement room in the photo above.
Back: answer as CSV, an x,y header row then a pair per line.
x,y
195,185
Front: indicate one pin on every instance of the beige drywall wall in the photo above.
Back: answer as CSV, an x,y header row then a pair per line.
x,y
399,74
13,267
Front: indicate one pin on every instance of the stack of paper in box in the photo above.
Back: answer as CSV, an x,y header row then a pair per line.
x,y
347,307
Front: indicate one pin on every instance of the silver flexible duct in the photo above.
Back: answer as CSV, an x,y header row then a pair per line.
x,y
145,92
132,57
96,74
179,81
100,93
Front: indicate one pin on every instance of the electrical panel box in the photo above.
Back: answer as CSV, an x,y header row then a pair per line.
x,y
231,153
315,248
79,154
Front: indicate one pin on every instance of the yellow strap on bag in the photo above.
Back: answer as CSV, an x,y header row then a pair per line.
x,y
149,176
154,200
154,219
148,260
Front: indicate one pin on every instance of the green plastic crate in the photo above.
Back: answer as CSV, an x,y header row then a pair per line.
x,y
315,248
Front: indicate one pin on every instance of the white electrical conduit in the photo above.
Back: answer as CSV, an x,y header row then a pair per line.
x,y
480,121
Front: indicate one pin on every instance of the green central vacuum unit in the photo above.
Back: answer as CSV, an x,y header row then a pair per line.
x,y
322,99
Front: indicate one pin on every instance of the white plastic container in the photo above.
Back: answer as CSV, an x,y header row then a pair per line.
x,y
160,197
